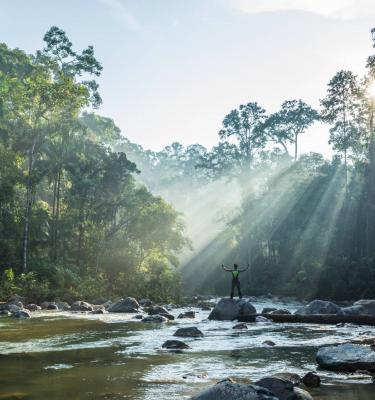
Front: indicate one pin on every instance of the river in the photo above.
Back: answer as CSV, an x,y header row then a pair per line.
x,y
64,355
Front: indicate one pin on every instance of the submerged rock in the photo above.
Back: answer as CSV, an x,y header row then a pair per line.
x,y
229,390
311,380
346,357
242,325
191,331
175,344
155,318
319,307
187,314
269,343
229,309
127,305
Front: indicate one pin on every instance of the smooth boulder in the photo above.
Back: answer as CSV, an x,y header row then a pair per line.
x,y
175,345
319,307
346,357
82,306
230,309
361,307
311,380
127,305
283,389
229,390
187,314
22,314
191,331
155,318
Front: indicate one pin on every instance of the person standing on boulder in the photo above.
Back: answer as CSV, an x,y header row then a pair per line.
x,y
235,279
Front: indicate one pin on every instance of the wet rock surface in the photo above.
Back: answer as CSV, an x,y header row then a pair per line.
x,y
175,344
230,309
127,305
229,390
319,307
346,357
191,331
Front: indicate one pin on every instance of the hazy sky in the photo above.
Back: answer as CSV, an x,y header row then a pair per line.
x,y
174,68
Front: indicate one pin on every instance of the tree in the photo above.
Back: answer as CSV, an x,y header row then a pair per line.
x,y
286,125
241,138
343,108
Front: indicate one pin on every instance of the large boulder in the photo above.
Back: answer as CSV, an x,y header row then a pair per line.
x,y
191,331
346,357
283,389
82,306
229,309
229,390
127,305
159,310
319,307
361,307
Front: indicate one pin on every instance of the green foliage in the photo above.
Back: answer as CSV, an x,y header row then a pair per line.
x,y
74,222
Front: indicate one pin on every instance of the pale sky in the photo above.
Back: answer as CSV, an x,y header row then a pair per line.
x,y
174,68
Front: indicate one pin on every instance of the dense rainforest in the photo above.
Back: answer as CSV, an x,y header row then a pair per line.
x,y
86,213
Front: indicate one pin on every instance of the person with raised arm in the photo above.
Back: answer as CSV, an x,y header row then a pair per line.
x,y
235,279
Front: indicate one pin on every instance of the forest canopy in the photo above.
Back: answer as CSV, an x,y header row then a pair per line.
x,y
86,213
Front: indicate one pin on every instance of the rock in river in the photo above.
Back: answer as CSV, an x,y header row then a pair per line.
x,y
311,380
22,314
346,357
228,390
187,314
127,305
283,389
319,307
229,309
241,325
82,306
361,307
175,344
155,318
191,331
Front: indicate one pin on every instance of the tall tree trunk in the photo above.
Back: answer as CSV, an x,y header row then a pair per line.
x,y
57,216
80,236
28,206
52,230
295,146
346,168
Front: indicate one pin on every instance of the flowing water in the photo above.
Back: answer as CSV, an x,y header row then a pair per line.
x,y
62,355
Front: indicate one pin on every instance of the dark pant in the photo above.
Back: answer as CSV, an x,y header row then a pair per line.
x,y
236,284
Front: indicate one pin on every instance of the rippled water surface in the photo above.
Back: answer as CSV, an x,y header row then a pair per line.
x,y
57,355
